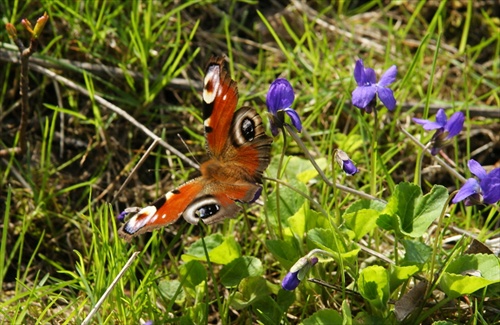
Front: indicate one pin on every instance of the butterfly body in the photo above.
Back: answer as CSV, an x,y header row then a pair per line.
x,y
239,152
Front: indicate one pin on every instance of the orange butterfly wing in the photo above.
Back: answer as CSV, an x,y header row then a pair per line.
x,y
239,151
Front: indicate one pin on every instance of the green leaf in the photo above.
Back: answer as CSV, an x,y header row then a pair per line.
x,y
469,273
346,313
307,171
172,289
284,252
196,314
290,202
325,239
193,273
389,222
304,220
361,222
417,253
297,222
221,250
297,168
285,299
428,209
324,316
373,284
240,268
400,274
268,311
366,204
250,290
410,213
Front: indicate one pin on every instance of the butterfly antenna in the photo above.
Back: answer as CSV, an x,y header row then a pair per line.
x,y
139,164
188,149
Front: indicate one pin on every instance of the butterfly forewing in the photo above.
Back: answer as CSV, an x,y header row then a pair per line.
x,y
220,96
239,153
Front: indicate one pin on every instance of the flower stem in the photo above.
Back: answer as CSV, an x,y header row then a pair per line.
x,y
440,161
279,173
343,188
373,156
417,179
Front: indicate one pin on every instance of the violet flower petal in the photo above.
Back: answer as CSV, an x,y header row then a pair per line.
x,y
455,124
470,188
279,96
370,77
290,281
490,185
294,116
441,117
387,97
388,77
349,167
362,96
476,169
122,215
359,73
428,125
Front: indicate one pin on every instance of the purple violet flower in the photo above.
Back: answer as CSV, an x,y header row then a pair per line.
x,y
121,217
486,190
297,272
364,96
445,129
345,162
279,100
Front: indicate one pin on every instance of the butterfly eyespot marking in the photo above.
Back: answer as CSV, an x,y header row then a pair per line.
x,y
203,208
248,129
207,211
247,126
238,147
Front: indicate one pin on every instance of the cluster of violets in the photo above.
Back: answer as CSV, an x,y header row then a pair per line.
x,y
483,190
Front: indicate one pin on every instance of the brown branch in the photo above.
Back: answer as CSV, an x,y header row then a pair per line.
x,y
25,54
23,92
106,71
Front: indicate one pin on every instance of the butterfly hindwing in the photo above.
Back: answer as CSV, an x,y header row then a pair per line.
x,y
239,153
164,211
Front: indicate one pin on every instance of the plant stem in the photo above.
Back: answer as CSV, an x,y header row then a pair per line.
x,y
279,173
373,156
322,174
440,161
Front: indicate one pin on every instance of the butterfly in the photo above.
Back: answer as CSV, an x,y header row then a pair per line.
x,y
238,150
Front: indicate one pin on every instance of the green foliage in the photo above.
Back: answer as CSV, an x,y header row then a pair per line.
x,y
221,250
325,316
409,213
373,285
470,273
240,268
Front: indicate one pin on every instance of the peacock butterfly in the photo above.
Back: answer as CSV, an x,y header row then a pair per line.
x,y
238,150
